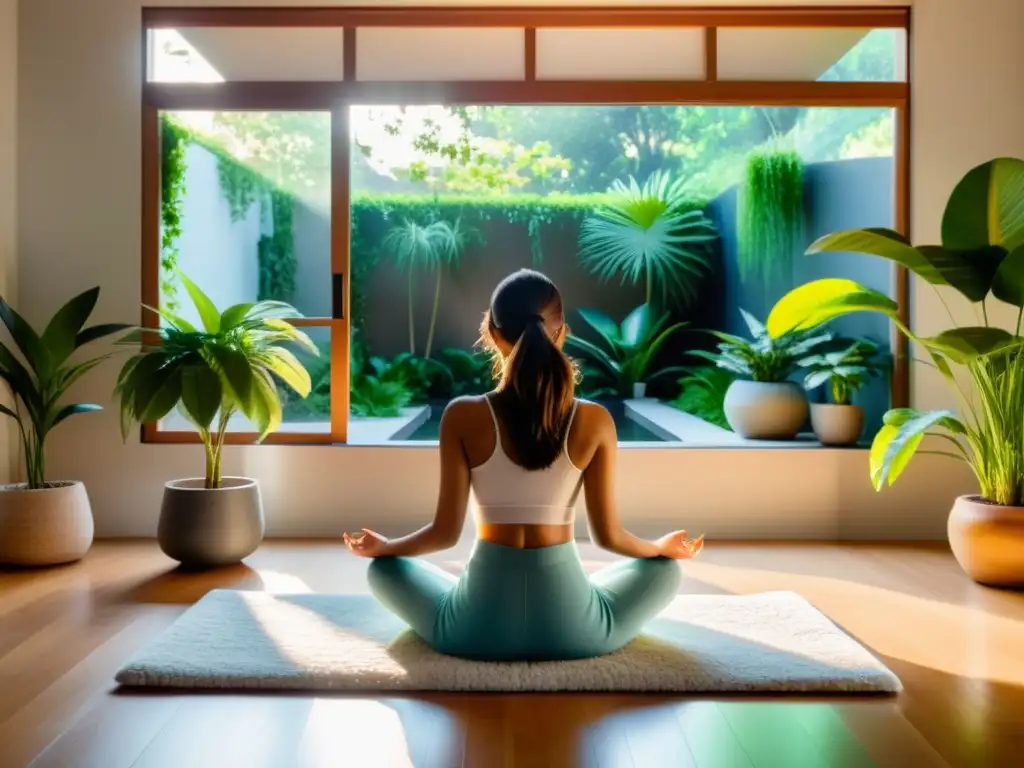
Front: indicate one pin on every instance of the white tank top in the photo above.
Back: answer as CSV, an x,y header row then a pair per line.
x,y
507,493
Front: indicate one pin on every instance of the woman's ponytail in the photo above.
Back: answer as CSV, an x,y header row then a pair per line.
x,y
536,380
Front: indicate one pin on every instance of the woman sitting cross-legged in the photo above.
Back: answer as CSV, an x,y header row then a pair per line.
x,y
525,451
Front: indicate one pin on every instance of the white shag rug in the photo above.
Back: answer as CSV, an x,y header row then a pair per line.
x,y
771,642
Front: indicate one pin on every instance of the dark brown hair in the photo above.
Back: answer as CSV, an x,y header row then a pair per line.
x,y
537,381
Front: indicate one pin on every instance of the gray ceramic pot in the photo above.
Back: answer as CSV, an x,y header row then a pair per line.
x,y
203,528
837,424
760,410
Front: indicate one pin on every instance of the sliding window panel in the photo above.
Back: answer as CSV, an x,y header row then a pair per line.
x,y
620,54
812,54
407,54
241,54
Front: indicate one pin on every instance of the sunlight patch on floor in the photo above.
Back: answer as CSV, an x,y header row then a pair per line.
x,y
280,583
353,733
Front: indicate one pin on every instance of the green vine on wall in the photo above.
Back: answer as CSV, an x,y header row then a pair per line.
x,y
277,265
174,140
770,216
240,185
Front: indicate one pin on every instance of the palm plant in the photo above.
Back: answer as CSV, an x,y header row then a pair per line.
x,y
428,246
629,349
763,358
38,384
845,369
982,254
228,367
650,234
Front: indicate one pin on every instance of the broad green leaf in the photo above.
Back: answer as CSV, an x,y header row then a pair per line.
x,y
595,353
20,381
267,410
142,382
638,326
165,397
818,301
233,315
969,272
648,353
1008,282
59,336
603,324
755,326
70,410
8,412
69,374
201,394
206,308
36,354
961,345
987,207
99,331
175,320
816,379
127,368
894,445
884,243
236,375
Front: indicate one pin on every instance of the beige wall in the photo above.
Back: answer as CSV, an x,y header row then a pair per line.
x,y
79,224
8,185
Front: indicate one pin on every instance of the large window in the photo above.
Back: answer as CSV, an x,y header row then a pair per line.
x,y
382,176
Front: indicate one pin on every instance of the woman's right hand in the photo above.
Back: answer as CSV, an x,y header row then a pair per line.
x,y
676,546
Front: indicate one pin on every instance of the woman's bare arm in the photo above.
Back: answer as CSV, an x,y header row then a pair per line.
x,y
452,499
599,490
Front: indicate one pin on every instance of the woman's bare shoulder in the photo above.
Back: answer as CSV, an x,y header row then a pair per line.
x,y
593,419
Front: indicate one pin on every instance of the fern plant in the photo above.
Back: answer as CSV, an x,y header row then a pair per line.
x,y
770,216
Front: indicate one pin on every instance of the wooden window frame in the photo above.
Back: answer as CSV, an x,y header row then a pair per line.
x,y
337,96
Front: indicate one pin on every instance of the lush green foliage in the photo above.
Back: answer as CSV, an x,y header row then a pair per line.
x,y
845,368
228,367
770,216
982,254
703,394
650,234
38,384
764,358
174,141
276,252
628,352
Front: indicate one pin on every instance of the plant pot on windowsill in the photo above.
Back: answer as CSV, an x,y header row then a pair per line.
x,y
51,525
210,527
845,367
229,367
758,410
639,390
837,424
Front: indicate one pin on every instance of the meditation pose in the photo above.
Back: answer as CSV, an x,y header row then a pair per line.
x,y
525,451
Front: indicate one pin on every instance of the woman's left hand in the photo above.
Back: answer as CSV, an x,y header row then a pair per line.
x,y
367,544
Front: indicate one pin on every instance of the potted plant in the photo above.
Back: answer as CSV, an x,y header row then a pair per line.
x,y
623,367
46,522
845,370
210,375
762,403
981,255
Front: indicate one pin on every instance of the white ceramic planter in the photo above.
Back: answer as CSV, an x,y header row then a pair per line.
x,y
765,411
639,390
837,424
988,541
48,526
207,528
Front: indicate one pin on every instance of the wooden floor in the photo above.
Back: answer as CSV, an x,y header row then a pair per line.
x,y
958,647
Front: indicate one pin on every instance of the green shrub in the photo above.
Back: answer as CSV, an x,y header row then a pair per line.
x,y
703,394
770,217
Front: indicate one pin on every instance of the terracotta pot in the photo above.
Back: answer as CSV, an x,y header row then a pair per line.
x,y
837,424
760,410
206,528
47,526
988,541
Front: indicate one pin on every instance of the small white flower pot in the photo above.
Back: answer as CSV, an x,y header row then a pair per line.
x,y
45,526
837,424
765,411
639,390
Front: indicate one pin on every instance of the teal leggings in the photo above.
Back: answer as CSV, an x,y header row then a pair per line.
x,y
525,604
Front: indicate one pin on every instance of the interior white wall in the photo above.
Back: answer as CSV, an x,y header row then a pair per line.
x,y
79,213
8,187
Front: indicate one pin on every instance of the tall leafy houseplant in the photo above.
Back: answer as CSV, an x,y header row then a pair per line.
x,y
228,367
44,522
771,214
624,364
650,234
981,256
